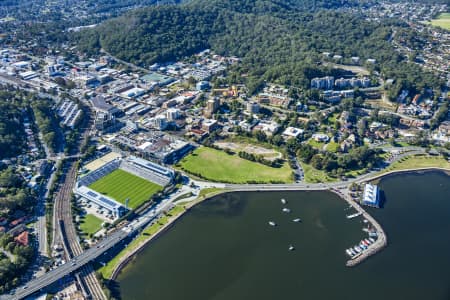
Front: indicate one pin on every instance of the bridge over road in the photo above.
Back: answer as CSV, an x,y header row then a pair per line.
x,y
69,267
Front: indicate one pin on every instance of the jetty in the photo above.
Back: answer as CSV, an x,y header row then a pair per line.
x,y
381,240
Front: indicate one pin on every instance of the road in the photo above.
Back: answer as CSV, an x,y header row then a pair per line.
x,y
69,267
131,65
82,260
298,170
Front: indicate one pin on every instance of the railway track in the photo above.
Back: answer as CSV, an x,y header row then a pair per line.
x,y
64,232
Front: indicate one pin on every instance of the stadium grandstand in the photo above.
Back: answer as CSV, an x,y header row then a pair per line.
x,y
148,170
116,209
95,175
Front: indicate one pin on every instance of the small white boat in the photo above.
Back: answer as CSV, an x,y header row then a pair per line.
x,y
272,223
291,248
283,201
354,215
286,210
297,220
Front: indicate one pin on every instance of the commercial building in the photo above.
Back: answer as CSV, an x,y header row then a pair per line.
x,y
158,122
292,132
210,125
253,107
165,150
105,114
371,196
202,85
172,114
211,107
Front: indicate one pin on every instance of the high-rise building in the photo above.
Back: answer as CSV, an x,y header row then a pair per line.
x,y
172,114
253,107
211,107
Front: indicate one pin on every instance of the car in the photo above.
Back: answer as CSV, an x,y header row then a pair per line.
x,y
73,264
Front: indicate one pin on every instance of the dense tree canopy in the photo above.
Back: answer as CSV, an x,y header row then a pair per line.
x,y
12,134
278,41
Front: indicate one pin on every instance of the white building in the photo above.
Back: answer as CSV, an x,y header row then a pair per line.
x,y
371,195
320,137
292,132
172,114
159,122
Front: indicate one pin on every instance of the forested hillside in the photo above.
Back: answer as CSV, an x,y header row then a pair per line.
x,y
279,41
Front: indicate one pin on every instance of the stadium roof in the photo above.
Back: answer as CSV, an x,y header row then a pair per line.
x,y
98,198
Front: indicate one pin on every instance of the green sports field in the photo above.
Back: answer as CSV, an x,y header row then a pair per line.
x,y
219,166
443,21
121,185
90,224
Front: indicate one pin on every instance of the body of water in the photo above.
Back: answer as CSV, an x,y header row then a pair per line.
x,y
225,249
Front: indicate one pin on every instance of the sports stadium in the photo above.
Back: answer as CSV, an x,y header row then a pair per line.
x,y
121,184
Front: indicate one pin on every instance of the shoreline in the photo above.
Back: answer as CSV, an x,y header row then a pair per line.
x,y
171,222
376,247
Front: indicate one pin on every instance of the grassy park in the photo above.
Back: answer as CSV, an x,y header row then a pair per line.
x,y
313,175
90,224
216,165
121,185
443,21
419,161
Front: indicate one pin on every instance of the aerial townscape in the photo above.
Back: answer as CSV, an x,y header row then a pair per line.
x,y
224,149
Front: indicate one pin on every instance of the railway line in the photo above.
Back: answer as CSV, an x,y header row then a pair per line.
x,y
64,232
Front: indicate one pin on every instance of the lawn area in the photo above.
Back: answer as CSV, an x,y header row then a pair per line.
x,y
316,144
332,147
332,118
219,166
121,185
419,161
313,175
147,233
90,224
443,21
